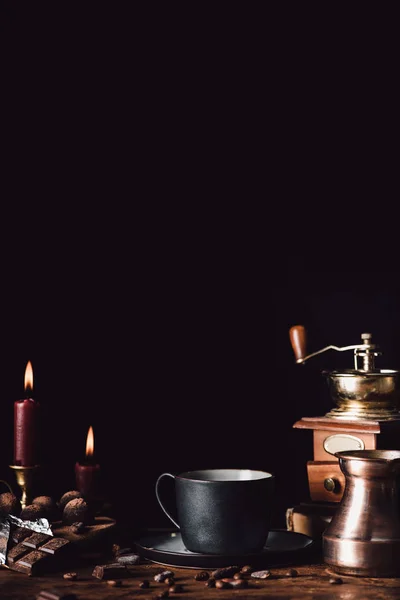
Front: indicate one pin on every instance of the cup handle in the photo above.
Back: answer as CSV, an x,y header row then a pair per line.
x,y
158,497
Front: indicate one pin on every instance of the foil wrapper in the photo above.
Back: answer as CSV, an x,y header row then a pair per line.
x,y
40,526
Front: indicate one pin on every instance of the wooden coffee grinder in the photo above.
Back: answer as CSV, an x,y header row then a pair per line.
x,y
365,416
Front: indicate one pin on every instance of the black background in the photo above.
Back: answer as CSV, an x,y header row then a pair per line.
x,y
180,187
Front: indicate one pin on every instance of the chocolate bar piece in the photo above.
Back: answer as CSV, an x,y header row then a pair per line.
x,y
41,553
32,563
19,533
110,571
55,544
36,539
17,552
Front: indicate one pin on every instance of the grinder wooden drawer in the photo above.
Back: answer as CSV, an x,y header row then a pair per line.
x,y
326,481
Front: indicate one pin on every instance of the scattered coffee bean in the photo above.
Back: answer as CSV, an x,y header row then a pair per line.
x,y
202,576
177,588
335,580
128,559
246,570
114,582
239,583
261,574
291,573
145,584
161,577
169,581
210,583
235,583
225,572
71,576
221,585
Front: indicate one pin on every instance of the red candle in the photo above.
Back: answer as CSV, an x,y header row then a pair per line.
x,y
87,473
26,423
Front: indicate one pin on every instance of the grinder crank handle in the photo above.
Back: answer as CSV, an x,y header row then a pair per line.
x,y
298,339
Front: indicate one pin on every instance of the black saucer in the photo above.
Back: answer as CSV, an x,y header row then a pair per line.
x,y
282,548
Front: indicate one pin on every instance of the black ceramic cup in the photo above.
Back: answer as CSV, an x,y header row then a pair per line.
x,y
222,511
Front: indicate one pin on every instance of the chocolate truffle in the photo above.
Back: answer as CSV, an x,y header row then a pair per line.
x,y
31,512
9,504
49,506
65,498
45,501
77,510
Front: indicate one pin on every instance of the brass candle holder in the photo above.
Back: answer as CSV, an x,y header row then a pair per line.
x,y
25,478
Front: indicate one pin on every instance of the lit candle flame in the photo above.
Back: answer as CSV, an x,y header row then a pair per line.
x,y
90,442
29,377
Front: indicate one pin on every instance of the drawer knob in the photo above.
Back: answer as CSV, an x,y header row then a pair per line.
x,y
332,485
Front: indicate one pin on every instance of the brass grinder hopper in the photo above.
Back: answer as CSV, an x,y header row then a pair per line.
x,y
360,393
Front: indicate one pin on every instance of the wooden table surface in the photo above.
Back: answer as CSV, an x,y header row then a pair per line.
x,y
312,581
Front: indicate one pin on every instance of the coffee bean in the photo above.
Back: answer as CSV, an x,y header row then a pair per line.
x,y
225,572
169,581
210,583
114,582
202,576
335,580
144,584
239,583
221,585
246,570
291,573
176,588
238,575
161,577
130,558
235,583
261,574
71,576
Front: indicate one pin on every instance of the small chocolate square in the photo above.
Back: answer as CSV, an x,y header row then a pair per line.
x,y
55,544
19,533
31,563
16,553
36,540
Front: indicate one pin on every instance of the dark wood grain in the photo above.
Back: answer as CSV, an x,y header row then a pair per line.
x,y
313,581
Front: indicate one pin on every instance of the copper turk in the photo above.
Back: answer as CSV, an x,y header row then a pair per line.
x,y
363,537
